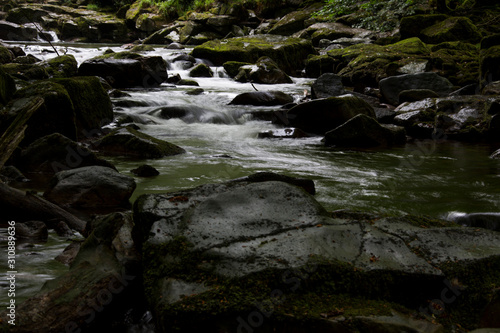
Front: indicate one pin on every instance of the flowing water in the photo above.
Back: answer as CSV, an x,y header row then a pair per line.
x,y
221,140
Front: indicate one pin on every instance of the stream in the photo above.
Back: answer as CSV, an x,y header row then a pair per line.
x,y
422,177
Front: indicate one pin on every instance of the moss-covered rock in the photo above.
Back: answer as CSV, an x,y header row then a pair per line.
x,y
322,115
55,152
318,65
329,30
232,68
201,70
131,143
7,87
366,64
490,71
61,66
56,115
91,103
265,71
451,29
16,32
6,56
289,53
126,69
26,72
293,22
411,26
457,61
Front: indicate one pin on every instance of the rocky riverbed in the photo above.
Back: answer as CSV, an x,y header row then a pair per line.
x,y
258,252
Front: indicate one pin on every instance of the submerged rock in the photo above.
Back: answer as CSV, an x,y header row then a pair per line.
x,y
145,171
91,187
35,231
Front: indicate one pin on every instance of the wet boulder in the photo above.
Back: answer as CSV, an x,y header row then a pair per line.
x,y
285,133
201,70
489,221
288,53
61,66
415,95
330,31
125,69
7,87
15,32
265,71
91,102
34,231
317,65
293,22
268,253
232,68
327,85
134,144
489,69
145,170
411,26
322,115
365,131
6,55
55,152
90,187
55,115
262,98
464,118
102,281
193,114
391,87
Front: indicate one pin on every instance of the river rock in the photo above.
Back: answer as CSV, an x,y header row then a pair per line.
x,y
6,55
330,31
91,103
489,221
61,66
9,173
391,87
293,22
364,65
132,143
412,25
193,114
285,133
451,29
465,118
7,87
55,152
265,71
365,131
201,70
288,53
125,69
415,95
35,231
101,282
262,98
322,115
327,85
90,187
15,32
492,88
145,170
236,254
56,115
489,64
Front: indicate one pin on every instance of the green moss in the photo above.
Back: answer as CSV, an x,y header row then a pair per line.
x,y
5,55
233,67
142,48
317,65
452,29
120,55
62,66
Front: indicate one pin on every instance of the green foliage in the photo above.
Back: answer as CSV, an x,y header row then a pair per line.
x,y
373,14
